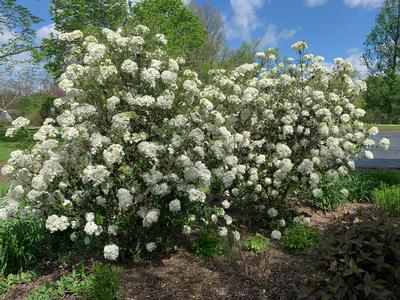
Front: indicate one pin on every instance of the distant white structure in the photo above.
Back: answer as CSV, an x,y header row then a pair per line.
x,y
5,116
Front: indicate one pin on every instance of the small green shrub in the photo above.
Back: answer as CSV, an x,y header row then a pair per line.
x,y
257,243
78,283
387,198
7,282
106,283
208,244
300,238
20,242
357,185
377,178
24,243
360,261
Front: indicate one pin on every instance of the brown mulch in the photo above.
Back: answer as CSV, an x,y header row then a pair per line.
x,y
183,275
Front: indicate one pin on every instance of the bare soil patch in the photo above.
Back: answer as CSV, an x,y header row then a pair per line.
x,y
183,275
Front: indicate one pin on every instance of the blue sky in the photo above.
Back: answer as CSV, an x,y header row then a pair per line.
x,y
332,28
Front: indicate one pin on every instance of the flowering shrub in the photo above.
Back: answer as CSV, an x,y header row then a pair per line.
x,y
139,140
292,125
127,157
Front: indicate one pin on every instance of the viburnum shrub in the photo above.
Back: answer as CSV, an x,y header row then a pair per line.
x,y
301,126
140,142
127,159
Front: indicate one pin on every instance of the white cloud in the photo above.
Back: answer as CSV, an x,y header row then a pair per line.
x,y
354,56
244,19
349,3
272,37
46,31
363,3
314,3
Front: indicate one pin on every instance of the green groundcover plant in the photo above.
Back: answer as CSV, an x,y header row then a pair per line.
x,y
257,243
360,261
300,238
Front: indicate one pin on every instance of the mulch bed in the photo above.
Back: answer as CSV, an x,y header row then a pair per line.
x,y
183,275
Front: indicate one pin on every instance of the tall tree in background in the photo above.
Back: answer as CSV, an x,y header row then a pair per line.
x,y
183,29
16,33
244,55
86,15
382,57
382,46
215,47
170,17
80,14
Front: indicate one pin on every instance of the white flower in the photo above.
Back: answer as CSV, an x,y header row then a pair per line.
x,y
299,46
112,103
236,235
272,212
129,66
20,122
317,193
150,76
111,252
125,199
160,38
169,77
276,235
186,229
150,247
228,219
151,217
175,205
57,223
344,192
384,143
89,217
91,228
222,231
283,150
369,154
95,174
113,154
373,130
226,204
196,196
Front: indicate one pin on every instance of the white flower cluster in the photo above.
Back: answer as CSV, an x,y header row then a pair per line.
x,y
140,140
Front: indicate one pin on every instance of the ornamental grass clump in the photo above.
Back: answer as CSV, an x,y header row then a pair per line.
x,y
127,160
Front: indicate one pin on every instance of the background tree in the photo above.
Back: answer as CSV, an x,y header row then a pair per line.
x,y
183,29
215,47
85,15
381,56
382,46
245,54
16,33
80,14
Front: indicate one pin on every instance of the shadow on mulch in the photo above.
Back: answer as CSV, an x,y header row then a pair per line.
x,y
182,275
271,275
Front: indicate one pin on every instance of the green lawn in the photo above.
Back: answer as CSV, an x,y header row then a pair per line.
x,y
6,148
22,141
388,127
